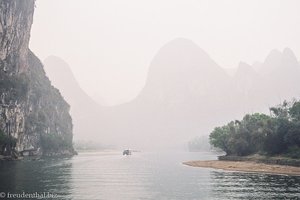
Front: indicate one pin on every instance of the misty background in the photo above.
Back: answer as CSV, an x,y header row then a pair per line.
x,y
168,70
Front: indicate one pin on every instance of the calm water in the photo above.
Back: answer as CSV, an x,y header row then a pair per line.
x,y
140,176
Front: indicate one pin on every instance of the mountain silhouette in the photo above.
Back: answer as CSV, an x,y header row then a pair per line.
x,y
186,94
281,72
84,110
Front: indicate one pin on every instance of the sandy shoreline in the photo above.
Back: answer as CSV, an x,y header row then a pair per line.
x,y
246,166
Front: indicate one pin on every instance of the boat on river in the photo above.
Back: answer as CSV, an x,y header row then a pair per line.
x,y
127,152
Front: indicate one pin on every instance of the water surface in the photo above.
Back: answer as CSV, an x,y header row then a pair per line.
x,y
111,176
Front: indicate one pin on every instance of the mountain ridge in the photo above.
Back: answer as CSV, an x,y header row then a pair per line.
x,y
187,94
84,110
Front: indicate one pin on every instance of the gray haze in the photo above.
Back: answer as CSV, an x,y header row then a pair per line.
x,y
186,95
163,65
109,44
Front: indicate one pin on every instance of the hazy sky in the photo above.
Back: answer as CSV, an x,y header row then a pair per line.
x,y
109,44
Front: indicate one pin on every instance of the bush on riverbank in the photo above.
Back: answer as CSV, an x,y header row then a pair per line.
x,y
274,134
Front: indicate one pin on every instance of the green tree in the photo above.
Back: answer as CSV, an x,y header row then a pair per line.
x,y
219,138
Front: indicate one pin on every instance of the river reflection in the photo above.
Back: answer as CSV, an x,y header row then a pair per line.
x,y
51,175
239,185
110,176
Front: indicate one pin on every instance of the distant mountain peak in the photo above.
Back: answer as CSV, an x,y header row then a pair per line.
x,y
245,70
179,42
62,77
55,63
288,55
280,62
180,51
181,69
273,57
288,51
181,55
276,55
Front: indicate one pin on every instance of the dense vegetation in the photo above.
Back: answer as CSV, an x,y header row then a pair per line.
x,y
55,143
6,141
274,134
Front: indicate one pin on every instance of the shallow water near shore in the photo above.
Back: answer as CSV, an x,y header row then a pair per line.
x,y
109,175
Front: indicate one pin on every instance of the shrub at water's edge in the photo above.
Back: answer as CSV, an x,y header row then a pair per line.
x,y
270,135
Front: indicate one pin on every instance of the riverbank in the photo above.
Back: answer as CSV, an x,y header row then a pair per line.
x,y
16,156
10,158
246,166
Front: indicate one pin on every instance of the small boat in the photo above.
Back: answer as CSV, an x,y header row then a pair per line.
x,y
127,152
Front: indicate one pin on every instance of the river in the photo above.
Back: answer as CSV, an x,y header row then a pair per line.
x,y
111,176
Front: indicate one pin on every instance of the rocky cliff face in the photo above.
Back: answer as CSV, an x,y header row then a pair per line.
x,y
15,24
33,114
